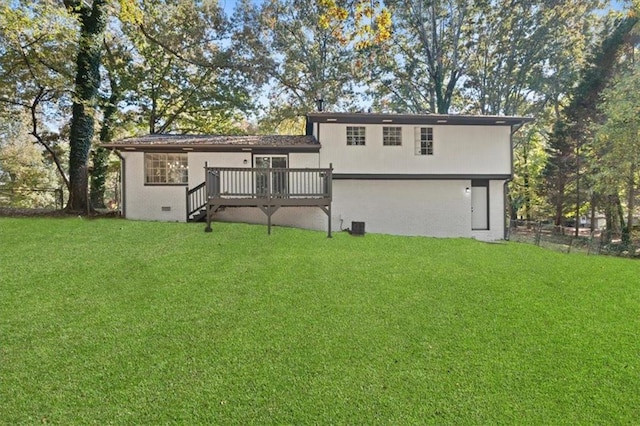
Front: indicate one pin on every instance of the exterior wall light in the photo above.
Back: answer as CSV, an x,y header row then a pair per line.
x,y
467,190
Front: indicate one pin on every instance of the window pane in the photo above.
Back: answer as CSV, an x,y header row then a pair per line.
x,y
392,136
424,141
166,168
355,135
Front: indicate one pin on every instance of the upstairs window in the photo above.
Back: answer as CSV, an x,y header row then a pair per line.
x,y
392,136
165,169
424,141
355,135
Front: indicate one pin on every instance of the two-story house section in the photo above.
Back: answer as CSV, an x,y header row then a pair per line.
x,y
431,175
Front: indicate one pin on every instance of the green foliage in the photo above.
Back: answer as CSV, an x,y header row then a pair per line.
x,y
177,72
158,323
572,131
529,161
481,57
617,148
303,60
26,180
36,75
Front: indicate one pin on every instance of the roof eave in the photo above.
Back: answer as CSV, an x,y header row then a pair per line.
x,y
431,119
210,148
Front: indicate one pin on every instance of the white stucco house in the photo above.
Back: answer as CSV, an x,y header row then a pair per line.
x,y
427,174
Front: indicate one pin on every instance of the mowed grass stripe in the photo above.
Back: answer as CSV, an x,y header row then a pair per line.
x,y
114,321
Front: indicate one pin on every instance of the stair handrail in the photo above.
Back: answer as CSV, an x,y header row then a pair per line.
x,y
196,199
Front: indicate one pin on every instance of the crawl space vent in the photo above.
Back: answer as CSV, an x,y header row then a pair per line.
x,y
357,228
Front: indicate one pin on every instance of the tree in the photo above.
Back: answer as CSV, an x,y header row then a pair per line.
x,y
305,60
525,55
618,144
431,50
24,172
92,21
529,160
572,130
180,72
487,57
35,73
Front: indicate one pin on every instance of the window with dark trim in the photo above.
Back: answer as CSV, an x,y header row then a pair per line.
x,y
355,135
424,141
166,169
392,136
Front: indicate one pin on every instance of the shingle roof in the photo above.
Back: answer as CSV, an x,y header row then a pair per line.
x,y
215,142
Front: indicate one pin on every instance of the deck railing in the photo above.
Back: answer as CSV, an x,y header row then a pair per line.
x,y
268,183
269,189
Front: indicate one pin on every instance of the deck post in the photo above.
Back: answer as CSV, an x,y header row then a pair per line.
x,y
208,227
186,190
206,187
329,222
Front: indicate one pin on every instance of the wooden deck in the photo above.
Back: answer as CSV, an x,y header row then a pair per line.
x,y
269,189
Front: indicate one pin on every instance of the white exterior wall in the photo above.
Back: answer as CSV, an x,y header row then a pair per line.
x,y
433,208
457,150
296,217
437,208
197,160
304,160
146,202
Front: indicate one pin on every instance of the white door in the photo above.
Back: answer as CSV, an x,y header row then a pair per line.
x,y
479,207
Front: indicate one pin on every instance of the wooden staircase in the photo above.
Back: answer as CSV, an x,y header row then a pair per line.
x,y
197,203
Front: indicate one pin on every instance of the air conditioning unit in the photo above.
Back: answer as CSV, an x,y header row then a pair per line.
x,y
357,228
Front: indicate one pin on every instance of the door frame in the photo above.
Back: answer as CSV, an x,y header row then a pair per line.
x,y
481,183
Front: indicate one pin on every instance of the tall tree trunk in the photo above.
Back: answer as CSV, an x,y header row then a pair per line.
x,y
559,202
620,211
99,159
592,221
100,156
631,193
92,24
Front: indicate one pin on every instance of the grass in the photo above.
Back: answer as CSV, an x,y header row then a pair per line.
x,y
122,322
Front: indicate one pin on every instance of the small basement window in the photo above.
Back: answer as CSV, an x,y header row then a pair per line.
x,y
356,135
166,169
424,141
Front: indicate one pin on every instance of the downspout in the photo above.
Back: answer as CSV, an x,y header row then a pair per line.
x,y
320,153
123,211
505,191
505,187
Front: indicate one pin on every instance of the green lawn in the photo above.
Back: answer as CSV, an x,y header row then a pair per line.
x,y
114,321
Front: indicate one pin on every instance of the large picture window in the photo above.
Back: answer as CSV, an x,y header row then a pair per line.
x,y
355,135
166,169
424,141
